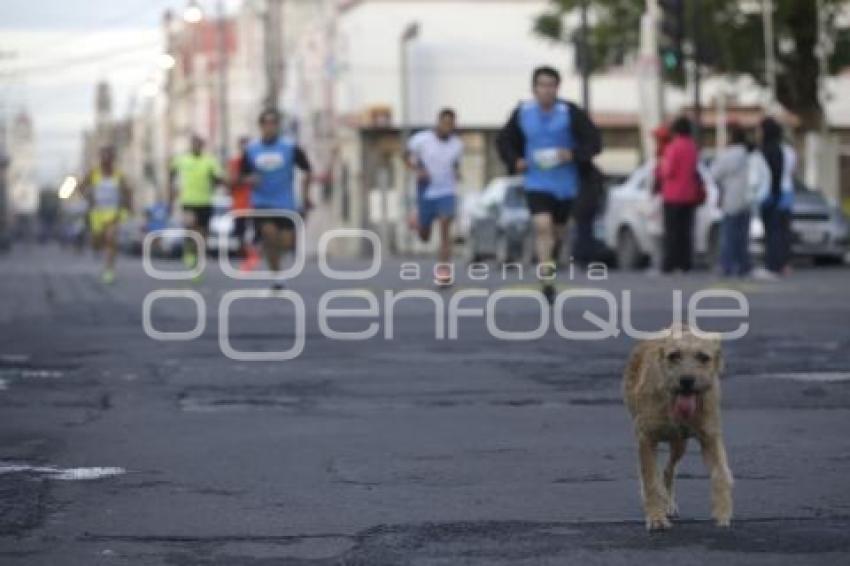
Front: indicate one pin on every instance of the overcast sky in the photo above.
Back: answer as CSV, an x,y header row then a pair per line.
x,y
53,52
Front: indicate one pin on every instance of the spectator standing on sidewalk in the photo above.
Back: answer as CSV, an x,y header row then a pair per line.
x,y
732,169
681,192
777,201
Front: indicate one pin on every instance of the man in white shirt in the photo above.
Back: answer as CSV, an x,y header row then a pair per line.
x,y
435,157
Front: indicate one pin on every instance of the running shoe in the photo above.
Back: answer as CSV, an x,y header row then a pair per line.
x,y
251,261
190,260
444,276
547,274
549,293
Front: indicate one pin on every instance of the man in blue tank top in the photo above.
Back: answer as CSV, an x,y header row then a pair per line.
x,y
551,142
268,165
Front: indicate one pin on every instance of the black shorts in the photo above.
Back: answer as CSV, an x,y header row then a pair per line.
x,y
202,213
545,203
240,226
279,222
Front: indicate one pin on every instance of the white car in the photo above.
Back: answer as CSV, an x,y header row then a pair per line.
x,y
221,227
633,221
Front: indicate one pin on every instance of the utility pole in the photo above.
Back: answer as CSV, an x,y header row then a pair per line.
x,y
825,48
654,25
224,118
4,165
697,51
4,207
585,59
411,32
769,53
272,46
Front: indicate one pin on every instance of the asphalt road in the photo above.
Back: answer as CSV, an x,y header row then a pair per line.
x,y
116,448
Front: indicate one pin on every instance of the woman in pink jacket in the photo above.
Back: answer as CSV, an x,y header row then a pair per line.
x,y
681,192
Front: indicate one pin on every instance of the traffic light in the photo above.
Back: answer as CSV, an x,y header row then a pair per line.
x,y
672,35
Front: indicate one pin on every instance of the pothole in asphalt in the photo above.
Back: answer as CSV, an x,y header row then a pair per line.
x,y
589,478
306,549
597,401
294,395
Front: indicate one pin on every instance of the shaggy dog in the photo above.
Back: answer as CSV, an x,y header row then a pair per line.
x,y
671,387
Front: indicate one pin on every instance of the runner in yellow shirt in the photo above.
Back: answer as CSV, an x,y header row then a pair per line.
x,y
109,204
194,175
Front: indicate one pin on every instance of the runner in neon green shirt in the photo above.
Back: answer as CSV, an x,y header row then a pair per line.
x,y
110,200
195,174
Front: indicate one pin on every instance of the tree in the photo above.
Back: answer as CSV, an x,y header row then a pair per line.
x,y
732,39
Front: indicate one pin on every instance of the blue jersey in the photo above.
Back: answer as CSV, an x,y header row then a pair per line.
x,y
274,164
546,132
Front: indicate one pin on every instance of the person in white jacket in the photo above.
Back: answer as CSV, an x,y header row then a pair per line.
x,y
740,174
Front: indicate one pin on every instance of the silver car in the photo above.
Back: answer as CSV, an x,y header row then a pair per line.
x,y
819,230
499,223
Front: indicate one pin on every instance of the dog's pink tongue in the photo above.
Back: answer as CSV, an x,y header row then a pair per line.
x,y
685,406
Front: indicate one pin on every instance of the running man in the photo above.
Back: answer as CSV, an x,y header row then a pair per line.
x,y
240,192
269,165
434,155
552,142
196,174
109,201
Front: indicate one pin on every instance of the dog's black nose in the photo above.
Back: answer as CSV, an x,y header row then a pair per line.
x,y
686,383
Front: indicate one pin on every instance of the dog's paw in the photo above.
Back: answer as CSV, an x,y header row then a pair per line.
x,y
723,522
672,508
658,523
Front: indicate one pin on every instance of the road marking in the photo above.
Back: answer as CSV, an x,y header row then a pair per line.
x,y
66,474
815,377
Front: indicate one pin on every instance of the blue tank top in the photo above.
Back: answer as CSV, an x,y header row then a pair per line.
x,y
274,164
548,131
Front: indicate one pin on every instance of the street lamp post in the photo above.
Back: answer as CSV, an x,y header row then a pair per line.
x,y
193,14
4,209
224,118
696,39
410,33
272,45
769,53
585,59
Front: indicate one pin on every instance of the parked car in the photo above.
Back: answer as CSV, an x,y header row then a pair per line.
x,y
131,234
819,230
498,222
632,220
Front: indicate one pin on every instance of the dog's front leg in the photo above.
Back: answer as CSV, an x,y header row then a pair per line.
x,y
677,450
714,455
654,500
